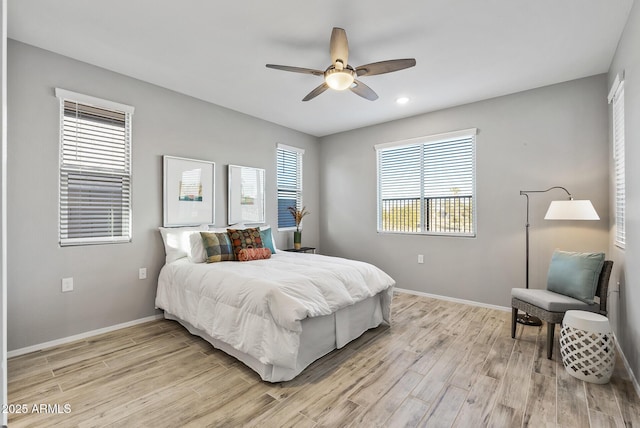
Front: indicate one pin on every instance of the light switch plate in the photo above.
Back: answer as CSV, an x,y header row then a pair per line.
x,y
67,284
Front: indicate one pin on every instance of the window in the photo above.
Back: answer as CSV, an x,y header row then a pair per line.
x,y
289,183
427,185
95,170
616,96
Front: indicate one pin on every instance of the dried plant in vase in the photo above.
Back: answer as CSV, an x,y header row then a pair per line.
x,y
298,215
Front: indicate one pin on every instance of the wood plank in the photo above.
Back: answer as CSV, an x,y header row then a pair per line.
x,y
490,331
431,352
144,353
159,401
342,414
514,387
27,365
600,420
626,395
408,414
540,410
446,408
35,385
94,397
506,417
469,368
296,421
387,404
436,379
382,379
496,363
163,405
601,398
477,408
572,400
543,365
235,413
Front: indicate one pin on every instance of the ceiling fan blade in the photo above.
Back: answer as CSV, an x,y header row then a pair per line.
x,y
364,91
385,66
339,47
317,91
296,69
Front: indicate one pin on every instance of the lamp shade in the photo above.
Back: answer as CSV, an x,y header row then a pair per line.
x,y
571,210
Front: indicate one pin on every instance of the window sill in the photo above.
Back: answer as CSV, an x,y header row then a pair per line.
x,y
451,235
288,229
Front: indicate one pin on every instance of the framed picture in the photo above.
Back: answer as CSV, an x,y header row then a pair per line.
x,y
246,194
188,191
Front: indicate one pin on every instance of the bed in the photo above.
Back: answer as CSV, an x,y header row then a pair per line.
x,y
276,315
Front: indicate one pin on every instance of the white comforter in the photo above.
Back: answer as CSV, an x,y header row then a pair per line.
x,y
257,306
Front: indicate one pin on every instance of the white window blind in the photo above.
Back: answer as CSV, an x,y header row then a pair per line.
x,y
95,170
619,160
289,178
427,185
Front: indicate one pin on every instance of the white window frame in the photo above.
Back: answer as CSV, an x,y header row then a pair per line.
x,y
616,98
299,179
68,169
423,141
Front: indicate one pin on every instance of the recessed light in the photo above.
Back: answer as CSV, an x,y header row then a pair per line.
x,y
402,100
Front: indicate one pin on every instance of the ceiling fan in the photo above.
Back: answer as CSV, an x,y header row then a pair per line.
x,y
340,75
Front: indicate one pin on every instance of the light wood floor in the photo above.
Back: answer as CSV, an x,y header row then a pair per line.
x,y
440,364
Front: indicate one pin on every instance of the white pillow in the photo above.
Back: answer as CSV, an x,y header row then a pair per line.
x,y
197,254
177,244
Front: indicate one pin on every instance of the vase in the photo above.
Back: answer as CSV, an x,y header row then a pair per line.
x,y
297,239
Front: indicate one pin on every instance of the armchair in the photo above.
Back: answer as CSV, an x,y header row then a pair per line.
x,y
551,307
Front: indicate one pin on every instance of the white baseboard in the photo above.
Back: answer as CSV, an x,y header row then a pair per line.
x,y
453,299
65,340
636,386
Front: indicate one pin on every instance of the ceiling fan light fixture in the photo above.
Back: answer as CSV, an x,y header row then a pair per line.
x,y
339,79
340,75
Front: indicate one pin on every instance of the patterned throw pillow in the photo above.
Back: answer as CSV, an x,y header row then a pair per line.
x,y
247,254
217,246
244,238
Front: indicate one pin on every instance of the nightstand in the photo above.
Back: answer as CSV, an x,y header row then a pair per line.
x,y
302,250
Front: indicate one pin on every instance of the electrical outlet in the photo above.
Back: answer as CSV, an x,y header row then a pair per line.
x,y
142,273
67,284
420,258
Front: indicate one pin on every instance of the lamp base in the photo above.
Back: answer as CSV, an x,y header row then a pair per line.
x,y
526,319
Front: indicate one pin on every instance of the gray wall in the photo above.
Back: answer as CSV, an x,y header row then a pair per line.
x,y
107,289
626,262
552,136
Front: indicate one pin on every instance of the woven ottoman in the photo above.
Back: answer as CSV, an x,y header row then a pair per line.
x,y
587,346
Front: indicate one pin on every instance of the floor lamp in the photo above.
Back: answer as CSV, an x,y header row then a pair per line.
x,y
568,209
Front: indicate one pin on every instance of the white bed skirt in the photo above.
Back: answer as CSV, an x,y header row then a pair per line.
x,y
320,335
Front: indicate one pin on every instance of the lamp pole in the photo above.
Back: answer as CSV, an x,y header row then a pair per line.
x,y
527,319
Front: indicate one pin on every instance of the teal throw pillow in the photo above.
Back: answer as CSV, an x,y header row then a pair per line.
x,y
267,240
575,274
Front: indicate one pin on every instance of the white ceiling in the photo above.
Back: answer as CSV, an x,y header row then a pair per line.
x,y
466,50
